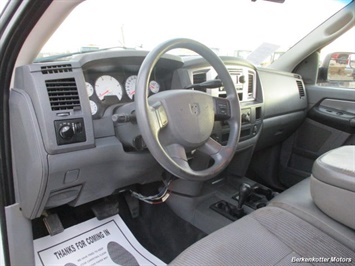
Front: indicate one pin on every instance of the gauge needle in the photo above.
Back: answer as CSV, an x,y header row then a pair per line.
x,y
104,93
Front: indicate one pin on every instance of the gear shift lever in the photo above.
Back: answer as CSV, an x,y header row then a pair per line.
x,y
244,192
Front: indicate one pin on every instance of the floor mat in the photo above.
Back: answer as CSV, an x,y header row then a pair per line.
x,y
94,242
160,230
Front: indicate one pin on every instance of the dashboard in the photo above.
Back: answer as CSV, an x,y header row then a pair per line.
x,y
69,148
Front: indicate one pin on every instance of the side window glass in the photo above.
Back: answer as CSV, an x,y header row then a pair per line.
x,y
337,66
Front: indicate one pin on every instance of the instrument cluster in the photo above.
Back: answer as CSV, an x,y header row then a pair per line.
x,y
107,89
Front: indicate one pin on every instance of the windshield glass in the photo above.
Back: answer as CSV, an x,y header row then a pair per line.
x,y
229,27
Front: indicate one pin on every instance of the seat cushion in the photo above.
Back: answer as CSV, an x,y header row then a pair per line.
x,y
337,168
333,184
268,236
298,200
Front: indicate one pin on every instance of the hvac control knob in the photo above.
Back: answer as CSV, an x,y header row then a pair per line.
x,y
66,132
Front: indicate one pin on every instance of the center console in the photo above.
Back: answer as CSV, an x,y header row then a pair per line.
x,y
247,199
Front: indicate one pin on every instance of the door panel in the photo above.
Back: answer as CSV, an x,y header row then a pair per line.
x,y
339,114
316,94
330,124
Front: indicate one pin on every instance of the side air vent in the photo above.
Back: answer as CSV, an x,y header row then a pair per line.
x,y
63,94
300,88
250,84
199,78
56,69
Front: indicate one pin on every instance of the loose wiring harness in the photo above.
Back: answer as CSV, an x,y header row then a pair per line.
x,y
159,198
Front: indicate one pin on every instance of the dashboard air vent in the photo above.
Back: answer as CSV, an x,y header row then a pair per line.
x,y
235,71
300,88
63,94
56,69
199,78
250,84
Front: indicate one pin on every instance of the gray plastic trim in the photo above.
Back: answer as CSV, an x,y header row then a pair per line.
x,y
19,232
90,59
30,79
281,94
276,129
39,176
29,158
318,93
101,171
341,105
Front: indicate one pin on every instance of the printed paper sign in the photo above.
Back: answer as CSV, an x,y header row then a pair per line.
x,y
106,242
262,52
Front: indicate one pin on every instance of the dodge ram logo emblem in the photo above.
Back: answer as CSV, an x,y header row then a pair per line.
x,y
194,108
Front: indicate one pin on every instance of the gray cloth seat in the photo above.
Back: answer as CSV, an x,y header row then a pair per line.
x,y
298,200
269,236
292,228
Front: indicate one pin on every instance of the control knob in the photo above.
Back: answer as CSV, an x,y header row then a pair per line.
x,y
66,132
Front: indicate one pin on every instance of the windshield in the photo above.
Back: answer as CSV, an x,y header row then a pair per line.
x,y
260,31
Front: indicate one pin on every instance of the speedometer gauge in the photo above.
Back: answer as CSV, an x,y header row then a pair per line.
x,y
130,86
154,86
107,85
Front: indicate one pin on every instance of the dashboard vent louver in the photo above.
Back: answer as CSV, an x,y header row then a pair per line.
x,y
235,71
250,84
199,78
63,94
56,69
300,88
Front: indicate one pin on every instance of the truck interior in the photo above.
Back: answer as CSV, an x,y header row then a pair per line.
x,y
209,158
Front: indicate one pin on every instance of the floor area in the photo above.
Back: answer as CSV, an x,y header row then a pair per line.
x,y
157,228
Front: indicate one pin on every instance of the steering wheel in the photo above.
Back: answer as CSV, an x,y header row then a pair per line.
x,y
174,122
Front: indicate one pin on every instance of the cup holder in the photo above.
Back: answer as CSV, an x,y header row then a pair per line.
x,y
259,197
227,209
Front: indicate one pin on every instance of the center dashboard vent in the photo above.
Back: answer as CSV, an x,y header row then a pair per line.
x,y
300,88
251,82
63,94
235,71
56,69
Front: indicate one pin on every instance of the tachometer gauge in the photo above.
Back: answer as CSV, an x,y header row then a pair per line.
x,y
130,86
93,107
107,85
154,86
89,89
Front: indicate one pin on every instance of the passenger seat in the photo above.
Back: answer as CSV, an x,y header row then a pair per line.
x,y
314,221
